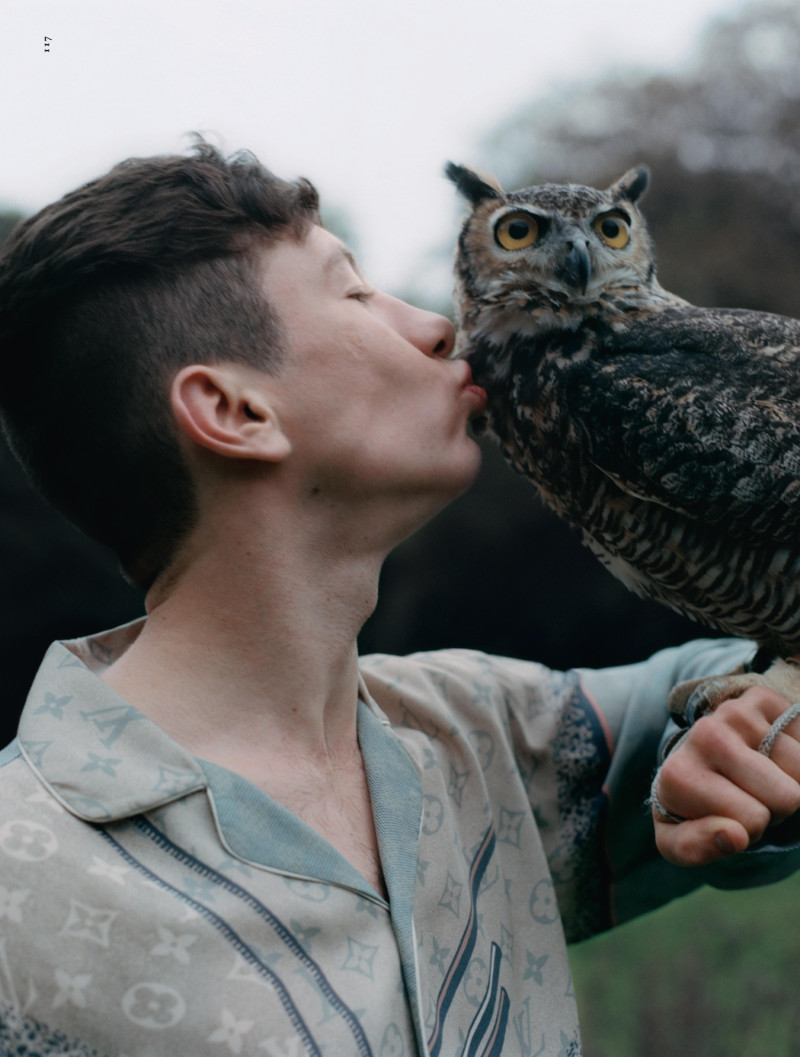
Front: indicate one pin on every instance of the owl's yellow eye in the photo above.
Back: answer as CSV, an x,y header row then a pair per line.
x,y
515,231
613,228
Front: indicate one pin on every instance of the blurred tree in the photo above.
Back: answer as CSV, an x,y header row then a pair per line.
x,y
9,218
723,141
496,570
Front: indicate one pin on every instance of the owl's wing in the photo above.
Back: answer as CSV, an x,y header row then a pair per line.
x,y
698,411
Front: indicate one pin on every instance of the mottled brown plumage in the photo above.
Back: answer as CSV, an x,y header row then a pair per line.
x,y
668,435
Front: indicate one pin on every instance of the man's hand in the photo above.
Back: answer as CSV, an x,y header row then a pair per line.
x,y
728,792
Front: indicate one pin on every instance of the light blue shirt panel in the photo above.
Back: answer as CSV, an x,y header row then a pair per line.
x,y
259,829
262,831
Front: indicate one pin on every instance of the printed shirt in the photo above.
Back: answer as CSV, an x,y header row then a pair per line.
x,y
152,904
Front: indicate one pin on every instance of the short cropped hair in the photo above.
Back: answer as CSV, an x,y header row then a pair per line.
x,y
104,296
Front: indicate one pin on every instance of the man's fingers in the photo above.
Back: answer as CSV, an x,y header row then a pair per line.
x,y
698,842
717,796
738,781
771,781
724,784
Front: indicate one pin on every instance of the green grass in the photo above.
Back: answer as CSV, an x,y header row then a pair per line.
x,y
711,975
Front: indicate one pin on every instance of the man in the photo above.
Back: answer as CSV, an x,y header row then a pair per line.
x,y
220,832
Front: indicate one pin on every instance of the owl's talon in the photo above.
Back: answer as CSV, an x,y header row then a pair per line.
x,y
686,710
703,700
695,698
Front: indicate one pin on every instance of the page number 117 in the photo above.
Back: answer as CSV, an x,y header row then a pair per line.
x,y
47,43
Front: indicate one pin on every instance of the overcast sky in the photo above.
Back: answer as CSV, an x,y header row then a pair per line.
x,y
366,98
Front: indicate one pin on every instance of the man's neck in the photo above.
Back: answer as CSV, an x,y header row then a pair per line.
x,y
250,661
252,650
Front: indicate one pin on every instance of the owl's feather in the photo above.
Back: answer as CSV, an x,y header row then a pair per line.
x,y
667,434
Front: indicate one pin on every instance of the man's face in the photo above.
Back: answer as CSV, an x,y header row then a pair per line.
x,y
367,398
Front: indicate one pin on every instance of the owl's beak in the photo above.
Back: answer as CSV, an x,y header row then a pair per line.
x,y
576,268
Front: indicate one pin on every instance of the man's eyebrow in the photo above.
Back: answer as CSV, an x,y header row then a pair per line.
x,y
342,253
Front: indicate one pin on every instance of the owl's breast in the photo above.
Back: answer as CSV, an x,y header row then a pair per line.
x,y
674,454
528,381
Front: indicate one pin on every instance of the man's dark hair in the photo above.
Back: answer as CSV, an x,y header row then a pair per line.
x,y
104,296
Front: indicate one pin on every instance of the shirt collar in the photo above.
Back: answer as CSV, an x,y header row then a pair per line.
x,y
99,756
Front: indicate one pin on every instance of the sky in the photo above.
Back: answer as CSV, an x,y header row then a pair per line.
x,y
368,98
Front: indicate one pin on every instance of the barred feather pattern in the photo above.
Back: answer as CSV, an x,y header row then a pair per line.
x,y
666,434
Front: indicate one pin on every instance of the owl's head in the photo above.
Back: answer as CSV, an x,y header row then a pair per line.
x,y
547,256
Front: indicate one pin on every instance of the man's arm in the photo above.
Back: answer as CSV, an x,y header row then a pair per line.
x,y
634,700
728,791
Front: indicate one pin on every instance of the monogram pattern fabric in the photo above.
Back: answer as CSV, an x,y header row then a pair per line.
x,y
153,903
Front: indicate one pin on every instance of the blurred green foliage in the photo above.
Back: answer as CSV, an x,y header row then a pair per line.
x,y
709,976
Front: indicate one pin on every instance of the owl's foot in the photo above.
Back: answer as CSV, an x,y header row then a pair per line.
x,y
697,697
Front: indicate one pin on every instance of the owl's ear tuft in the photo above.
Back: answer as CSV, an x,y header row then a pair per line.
x,y
471,185
632,185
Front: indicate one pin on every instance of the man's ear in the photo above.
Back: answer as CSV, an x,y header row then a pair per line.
x,y
221,409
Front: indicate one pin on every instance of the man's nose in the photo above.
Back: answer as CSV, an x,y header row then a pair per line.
x,y
433,334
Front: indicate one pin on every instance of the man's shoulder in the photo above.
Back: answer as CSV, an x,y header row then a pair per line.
x,y
18,782
453,667
7,755
451,682
37,828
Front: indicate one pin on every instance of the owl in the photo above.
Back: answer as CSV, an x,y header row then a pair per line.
x,y
666,434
